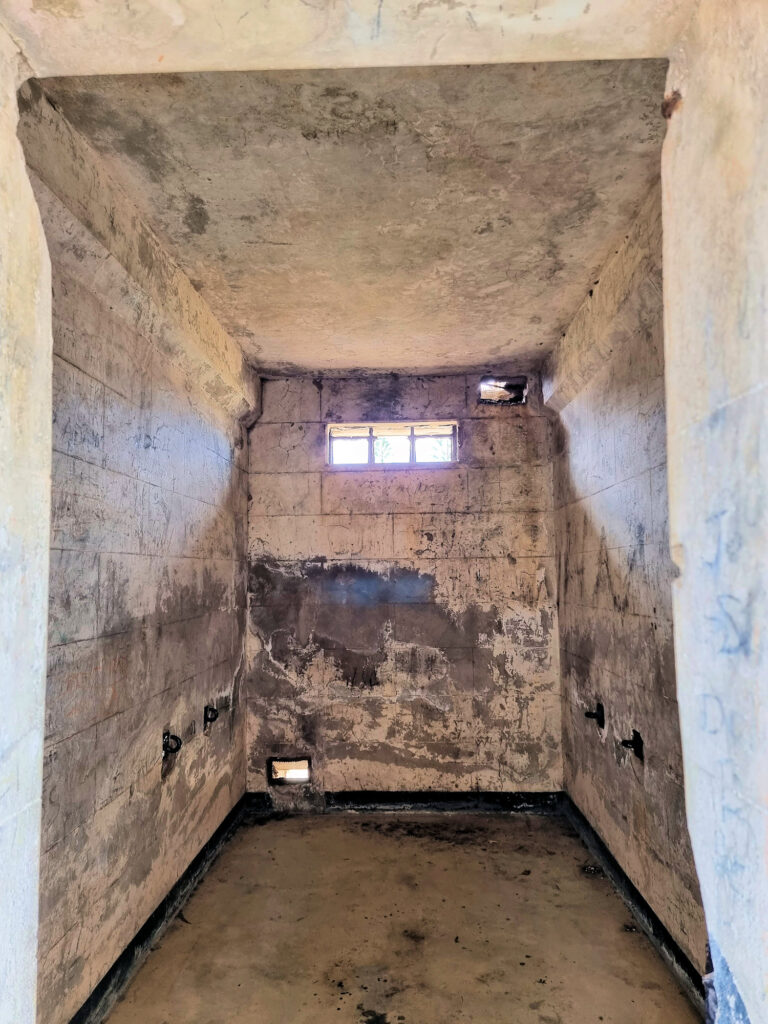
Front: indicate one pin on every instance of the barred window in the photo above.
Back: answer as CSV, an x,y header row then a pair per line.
x,y
395,444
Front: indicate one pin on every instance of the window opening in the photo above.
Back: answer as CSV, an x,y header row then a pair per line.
x,y
394,444
503,390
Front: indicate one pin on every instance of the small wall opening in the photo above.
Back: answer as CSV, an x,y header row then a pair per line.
x,y
286,771
494,390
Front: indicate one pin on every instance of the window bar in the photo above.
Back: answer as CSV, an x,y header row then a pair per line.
x,y
371,458
413,445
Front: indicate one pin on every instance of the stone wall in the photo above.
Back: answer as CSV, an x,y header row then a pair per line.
x,y
402,623
615,574
146,620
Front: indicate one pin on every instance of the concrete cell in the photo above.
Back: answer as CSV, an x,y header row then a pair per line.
x,y
442,629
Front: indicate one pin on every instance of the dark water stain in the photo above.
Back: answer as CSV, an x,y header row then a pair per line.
x,y
670,103
348,611
371,1016
452,833
452,760
310,616
358,668
269,583
307,728
196,218
147,144
342,610
337,92
380,397
168,764
339,113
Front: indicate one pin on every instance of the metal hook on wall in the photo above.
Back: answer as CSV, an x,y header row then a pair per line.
x,y
598,714
635,745
171,744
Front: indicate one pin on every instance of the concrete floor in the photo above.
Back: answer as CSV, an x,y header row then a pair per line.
x,y
404,919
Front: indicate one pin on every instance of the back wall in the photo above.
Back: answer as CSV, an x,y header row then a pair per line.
x,y
402,625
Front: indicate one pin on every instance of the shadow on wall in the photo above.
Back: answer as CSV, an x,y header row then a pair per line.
x,y
616,637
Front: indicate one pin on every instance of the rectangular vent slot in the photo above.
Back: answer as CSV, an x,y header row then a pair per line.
x,y
283,771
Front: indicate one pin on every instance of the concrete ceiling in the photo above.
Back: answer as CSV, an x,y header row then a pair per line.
x,y
419,219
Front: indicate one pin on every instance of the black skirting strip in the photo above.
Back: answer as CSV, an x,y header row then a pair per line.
x,y
426,800
677,961
257,809
96,1007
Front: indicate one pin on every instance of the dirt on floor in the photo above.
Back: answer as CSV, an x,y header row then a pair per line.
x,y
398,918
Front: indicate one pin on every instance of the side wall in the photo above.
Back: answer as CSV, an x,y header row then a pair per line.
x,y
615,574
147,596
402,624
715,175
25,466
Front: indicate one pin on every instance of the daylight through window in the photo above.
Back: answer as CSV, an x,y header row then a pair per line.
x,y
396,444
